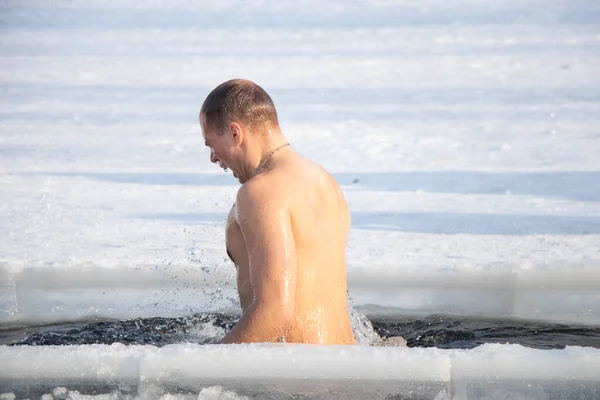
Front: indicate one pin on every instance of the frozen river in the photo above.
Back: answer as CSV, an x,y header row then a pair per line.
x,y
465,136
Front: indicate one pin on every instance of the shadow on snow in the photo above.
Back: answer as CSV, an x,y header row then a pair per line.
x,y
432,222
572,185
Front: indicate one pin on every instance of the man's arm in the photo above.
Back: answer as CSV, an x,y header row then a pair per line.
x,y
267,230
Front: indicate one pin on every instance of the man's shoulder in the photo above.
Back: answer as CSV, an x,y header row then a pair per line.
x,y
253,188
259,191
281,187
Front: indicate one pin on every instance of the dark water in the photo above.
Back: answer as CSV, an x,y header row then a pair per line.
x,y
433,331
465,333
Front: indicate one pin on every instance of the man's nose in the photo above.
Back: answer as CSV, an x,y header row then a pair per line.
x,y
213,157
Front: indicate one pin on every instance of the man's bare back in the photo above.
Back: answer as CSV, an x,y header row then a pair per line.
x,y
287,230
319,223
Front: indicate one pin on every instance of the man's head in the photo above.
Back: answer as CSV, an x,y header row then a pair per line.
x,y
240,101
234,114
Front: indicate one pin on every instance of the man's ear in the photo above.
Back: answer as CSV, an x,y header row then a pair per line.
x,y
237,132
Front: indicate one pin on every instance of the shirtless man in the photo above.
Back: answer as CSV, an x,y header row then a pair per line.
x,y
286,232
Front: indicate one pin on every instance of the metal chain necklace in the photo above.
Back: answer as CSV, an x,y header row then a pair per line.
x,y
262,164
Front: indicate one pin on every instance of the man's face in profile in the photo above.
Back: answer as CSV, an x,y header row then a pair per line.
x,y
220,146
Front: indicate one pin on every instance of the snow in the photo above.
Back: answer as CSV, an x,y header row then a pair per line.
x,y
465,137
244,370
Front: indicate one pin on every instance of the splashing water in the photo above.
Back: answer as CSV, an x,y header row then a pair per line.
x,y
197,328
363,329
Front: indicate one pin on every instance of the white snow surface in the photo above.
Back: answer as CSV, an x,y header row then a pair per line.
x,y
465,135
311,371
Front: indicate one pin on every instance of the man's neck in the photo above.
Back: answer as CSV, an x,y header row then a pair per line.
x,y
265,151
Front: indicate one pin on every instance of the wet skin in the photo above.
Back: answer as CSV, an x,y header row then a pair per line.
x,y
287,234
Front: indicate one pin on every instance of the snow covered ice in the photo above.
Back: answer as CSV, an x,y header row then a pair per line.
x,y
308,371
465,136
